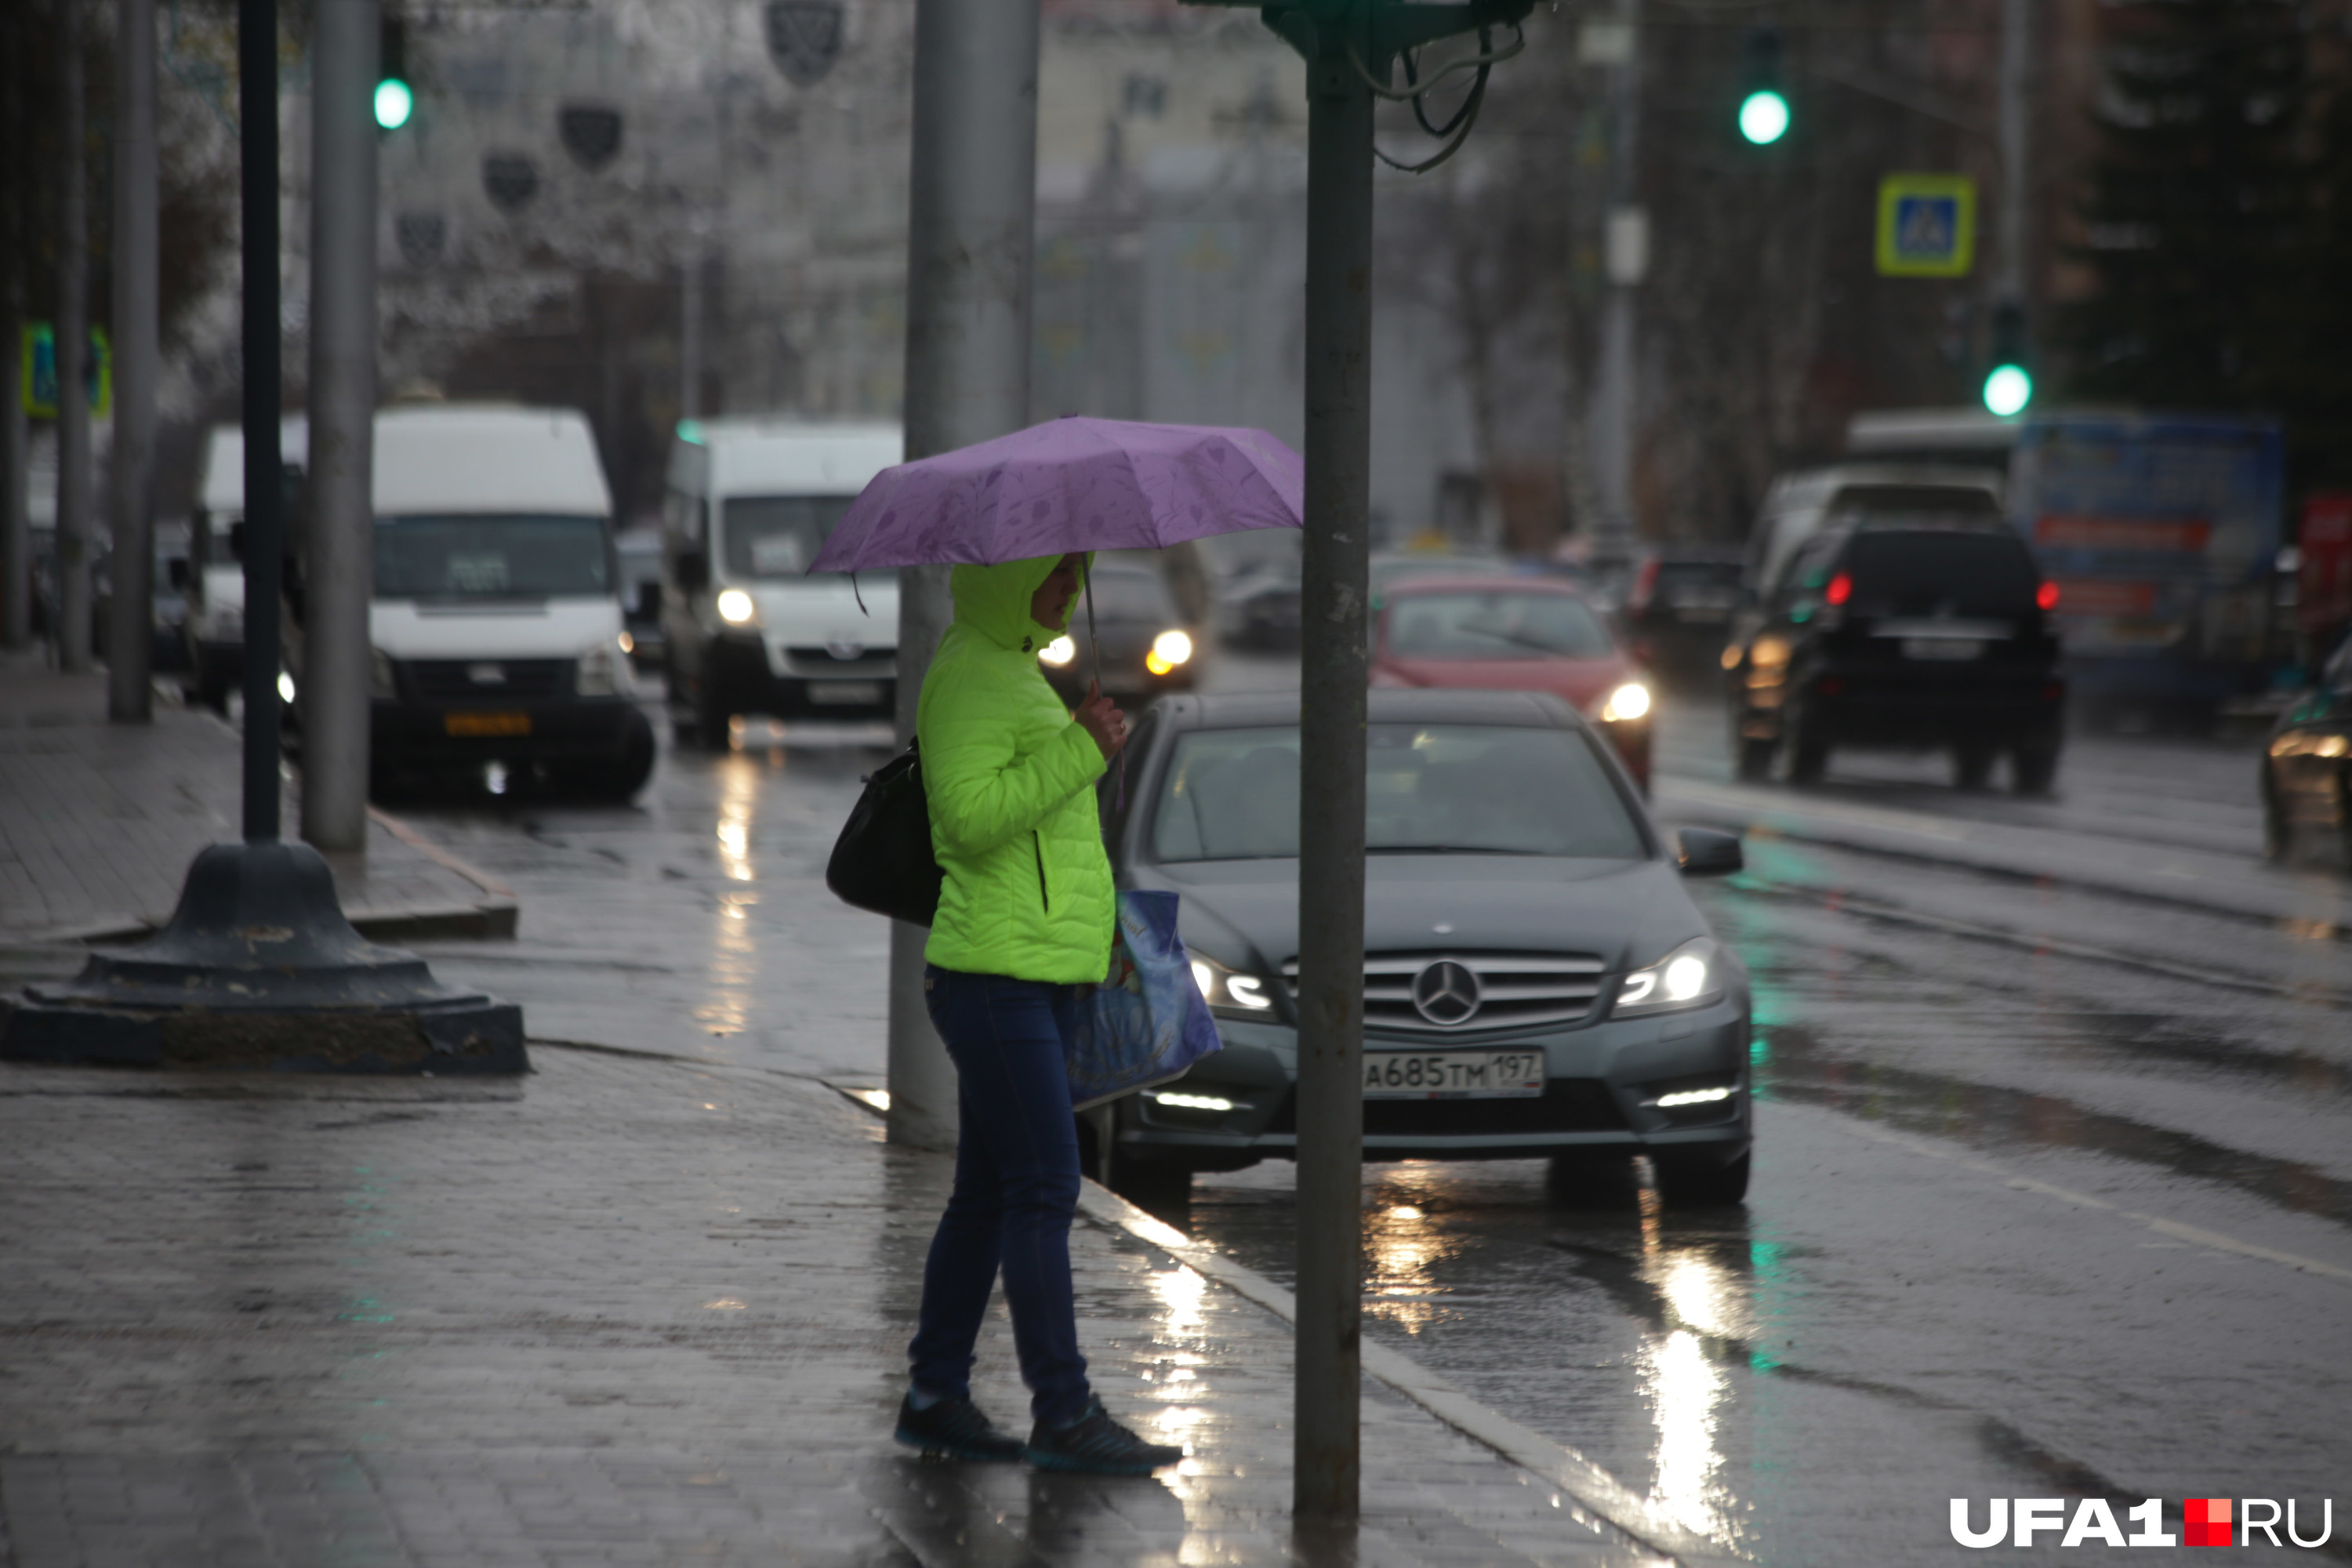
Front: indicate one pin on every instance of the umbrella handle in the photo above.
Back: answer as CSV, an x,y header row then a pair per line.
x,y
1094,647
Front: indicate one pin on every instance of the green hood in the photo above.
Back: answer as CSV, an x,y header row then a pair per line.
x,y
994,600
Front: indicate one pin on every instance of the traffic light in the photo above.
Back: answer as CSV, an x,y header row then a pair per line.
x,y
394,100
2008,385
1763,106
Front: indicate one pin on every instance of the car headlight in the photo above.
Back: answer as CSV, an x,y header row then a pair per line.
x,y
1169,649
1230,992
737,608
1058,652
284,687
380,684
603,670
1690,976
1629,702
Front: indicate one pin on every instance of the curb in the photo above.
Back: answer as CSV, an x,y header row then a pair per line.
x,y
1593,1488
495,914
2176,876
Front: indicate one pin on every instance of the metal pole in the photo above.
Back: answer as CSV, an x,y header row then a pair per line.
x,y
15,524
1334,674
265,499
971,222
689,335
130,639
339,551
73,628
1614,405
2016,22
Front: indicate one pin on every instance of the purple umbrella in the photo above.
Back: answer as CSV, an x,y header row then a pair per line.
x,y
1070,484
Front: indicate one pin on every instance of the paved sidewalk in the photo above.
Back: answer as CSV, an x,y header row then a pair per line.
x,y
627,1310
98,821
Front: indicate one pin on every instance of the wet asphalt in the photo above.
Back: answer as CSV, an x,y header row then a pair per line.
x,y
2053,1196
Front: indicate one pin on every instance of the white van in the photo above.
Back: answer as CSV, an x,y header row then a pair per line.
x,y
497,616
746,630
215,570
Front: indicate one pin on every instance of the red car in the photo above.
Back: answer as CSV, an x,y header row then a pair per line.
x,y
1514,634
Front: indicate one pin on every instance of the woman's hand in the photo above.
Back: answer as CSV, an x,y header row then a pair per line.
x,y
1100,717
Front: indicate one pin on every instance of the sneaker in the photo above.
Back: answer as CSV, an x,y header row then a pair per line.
x,y
955,1429
1095,1445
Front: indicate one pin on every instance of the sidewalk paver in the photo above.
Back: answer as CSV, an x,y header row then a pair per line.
x,y
626,1310
98,821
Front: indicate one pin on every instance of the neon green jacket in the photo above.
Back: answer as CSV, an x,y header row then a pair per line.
x,y
1009,774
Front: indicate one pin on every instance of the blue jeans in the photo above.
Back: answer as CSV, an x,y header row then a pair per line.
x,y
1016,1188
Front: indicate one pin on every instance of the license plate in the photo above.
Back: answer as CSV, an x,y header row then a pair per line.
x,y
845,693
1452,1074
1941,647
487,724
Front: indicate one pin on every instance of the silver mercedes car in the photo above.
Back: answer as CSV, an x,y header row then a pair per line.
x,y
1537,980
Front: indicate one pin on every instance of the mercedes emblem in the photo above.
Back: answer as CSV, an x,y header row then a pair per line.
x,y
1446,993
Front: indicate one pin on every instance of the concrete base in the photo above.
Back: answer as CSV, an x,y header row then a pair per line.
x,y
258,969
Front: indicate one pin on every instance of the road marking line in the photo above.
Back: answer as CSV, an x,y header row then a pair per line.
x,y
2194,1235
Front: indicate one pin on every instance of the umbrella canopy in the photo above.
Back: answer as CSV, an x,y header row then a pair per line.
x,y
1070,484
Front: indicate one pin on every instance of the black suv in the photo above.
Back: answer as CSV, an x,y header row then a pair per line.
x,y
1903,633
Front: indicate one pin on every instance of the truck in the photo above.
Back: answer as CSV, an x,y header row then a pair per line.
x,y
2160,531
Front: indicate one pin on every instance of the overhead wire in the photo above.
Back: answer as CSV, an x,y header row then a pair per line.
x,y
1465,115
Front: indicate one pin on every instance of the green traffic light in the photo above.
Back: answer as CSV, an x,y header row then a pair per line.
x,y
1764,117
2008,390
393,103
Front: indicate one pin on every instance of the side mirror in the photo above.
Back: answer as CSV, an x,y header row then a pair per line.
x,y
650,601
1707,853
177,573
692,569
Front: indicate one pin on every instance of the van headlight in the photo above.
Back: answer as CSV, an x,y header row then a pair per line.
x,y
737,608
603,670
1690,976
379,683
1169,649
1058,652
1231,992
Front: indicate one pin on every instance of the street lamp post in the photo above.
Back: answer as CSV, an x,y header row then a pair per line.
x,y
969,234
130,636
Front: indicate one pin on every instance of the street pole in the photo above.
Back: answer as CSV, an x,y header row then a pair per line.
x,y
971,222
73,628
689,333
130,638
15,451
1334,676
339,551
1612,432
264,484
2016,42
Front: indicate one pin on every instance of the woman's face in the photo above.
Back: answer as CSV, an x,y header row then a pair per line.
x,y
1050,607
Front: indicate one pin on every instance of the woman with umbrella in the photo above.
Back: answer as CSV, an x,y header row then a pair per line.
x,y
1026,905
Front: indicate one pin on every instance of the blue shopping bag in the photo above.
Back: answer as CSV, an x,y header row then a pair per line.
x,y
1148,1022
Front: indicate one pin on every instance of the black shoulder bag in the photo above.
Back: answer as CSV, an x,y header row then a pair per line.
x,y
883,860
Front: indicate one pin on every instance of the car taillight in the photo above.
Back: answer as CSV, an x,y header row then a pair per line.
x,y
2046,595
1840,590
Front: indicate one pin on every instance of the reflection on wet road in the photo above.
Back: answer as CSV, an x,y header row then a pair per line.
x,y
2053,1192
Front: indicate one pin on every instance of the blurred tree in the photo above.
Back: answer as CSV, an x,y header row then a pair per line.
x,y
2309,378
2196,208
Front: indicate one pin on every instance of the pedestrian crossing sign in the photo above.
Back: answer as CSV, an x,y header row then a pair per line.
x,y
36,371
1927,225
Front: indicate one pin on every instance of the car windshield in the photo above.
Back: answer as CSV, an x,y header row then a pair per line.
x,y
1132,596
1495,624
1233,795
1387,573
777,536
447,556
1926,573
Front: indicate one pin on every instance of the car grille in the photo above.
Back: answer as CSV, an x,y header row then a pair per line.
x,y
1514,990
519,680
1566,1105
